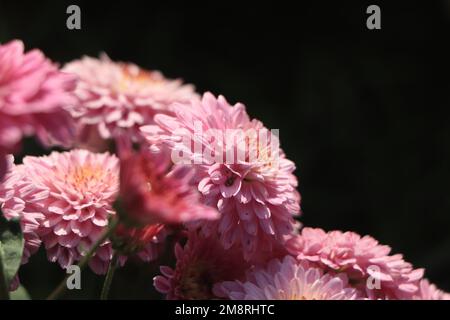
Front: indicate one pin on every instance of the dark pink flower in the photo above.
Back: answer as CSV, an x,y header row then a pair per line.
x,y
145,242
153,191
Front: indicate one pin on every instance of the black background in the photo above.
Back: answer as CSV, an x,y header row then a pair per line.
x,y
363,113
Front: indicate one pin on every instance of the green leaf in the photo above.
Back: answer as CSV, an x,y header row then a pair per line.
x,y
11,248
20,294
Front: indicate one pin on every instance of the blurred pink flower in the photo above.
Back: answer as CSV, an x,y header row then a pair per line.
x,y
256,196
144,242
428,291
362,259
115,98
200,264
153,191
33,93
81,188
287,279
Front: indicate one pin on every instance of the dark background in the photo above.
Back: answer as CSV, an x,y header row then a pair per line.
x,y
363,113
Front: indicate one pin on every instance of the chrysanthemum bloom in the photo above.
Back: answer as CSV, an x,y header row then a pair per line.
x,y
116,98
200,264
367,264
428,291
288,279
249,180
81,188
153,191
19,202
33,93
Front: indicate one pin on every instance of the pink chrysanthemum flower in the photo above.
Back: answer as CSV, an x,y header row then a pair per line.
x,y
17,201
116,98
288,279
33,93
254,188
428,291
367,264
81,188
152,190
200,264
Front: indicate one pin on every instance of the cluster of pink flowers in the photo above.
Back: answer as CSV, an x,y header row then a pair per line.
x,y
120,191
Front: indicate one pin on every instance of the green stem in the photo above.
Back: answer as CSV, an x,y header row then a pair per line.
x,y
4,289
61,288
109,276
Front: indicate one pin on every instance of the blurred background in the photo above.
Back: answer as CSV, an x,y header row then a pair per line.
x,y
363,113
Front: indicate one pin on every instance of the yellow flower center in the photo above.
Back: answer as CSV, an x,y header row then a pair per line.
x,y
83,175
134,78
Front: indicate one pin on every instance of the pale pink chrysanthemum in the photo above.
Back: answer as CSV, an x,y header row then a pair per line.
x,y
19,202
200,264
33,94
363,259
152,190
288,279
255,192
116,98
429,291
81,189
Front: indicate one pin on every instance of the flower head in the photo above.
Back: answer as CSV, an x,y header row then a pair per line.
x,y
17,201
240,170
33,93
200,264
81,188
116,98
153,191
362,259
287,279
